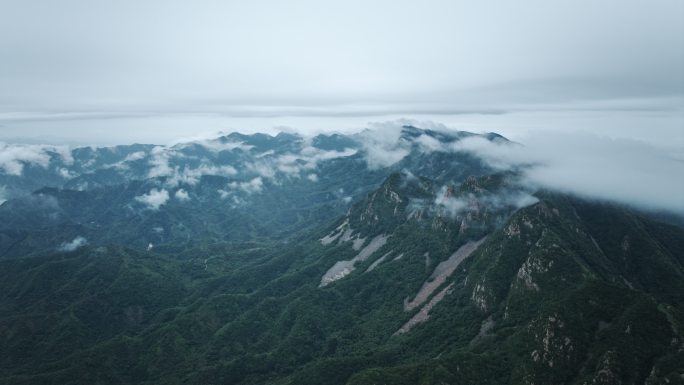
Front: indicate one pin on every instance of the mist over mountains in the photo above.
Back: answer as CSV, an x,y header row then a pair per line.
x,y
621,170
396,255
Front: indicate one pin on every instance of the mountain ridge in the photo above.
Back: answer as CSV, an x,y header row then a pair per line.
x,y
437,269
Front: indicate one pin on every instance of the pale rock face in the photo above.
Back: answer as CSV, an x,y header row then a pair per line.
x,y
330,238
346,236
512,230
358,243
608,373
479,297
344,233
553,345
417,214
339,270
369,215
339,231
424,312
525,275
379,261
535,356
532,265
441,272
343,268
368,212
394,197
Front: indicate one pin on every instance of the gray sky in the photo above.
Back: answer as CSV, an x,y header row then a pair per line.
x,y
89,71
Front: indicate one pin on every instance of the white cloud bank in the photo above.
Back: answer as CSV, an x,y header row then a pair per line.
x,y
623,170
73,245
591,166
383,145
13,157
154,199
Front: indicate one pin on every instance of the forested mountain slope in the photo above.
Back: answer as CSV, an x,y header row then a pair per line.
x,y
439,270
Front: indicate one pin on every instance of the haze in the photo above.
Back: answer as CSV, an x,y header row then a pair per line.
x,y
601,81
117,72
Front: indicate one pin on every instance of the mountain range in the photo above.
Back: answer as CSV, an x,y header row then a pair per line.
x,y
382,257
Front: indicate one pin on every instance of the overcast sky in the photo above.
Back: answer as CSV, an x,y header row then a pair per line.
x,y
89,71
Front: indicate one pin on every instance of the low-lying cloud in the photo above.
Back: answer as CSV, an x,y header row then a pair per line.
x,y
383,144
160,166
269,164
13,157
124,163
182,195
252,186
154,199
453,206
73,245
192,175
591,166
587,165
218,145
159,162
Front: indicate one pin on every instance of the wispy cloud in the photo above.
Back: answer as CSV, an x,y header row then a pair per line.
x,y
123,164
453,206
